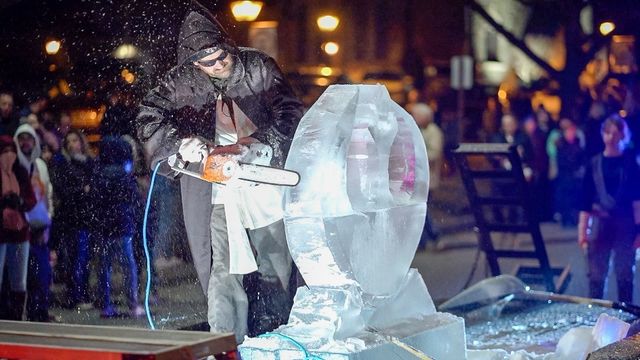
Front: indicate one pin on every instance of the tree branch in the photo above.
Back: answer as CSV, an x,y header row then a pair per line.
x,y
514,40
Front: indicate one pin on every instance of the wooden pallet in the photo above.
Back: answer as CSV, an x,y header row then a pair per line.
x,y
44,341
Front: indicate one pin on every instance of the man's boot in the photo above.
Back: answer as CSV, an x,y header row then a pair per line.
x,y
16,306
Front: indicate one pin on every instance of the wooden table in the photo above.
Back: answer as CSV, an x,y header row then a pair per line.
x,y
44,341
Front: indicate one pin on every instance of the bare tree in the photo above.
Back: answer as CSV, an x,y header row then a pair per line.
x,y
580,46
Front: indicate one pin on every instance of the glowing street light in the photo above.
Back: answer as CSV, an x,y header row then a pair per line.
x,y
607,27
125,51
52,47
326,71
331,48
246,10
328,23
128,76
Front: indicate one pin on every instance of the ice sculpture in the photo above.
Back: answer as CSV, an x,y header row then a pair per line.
x,y
353,225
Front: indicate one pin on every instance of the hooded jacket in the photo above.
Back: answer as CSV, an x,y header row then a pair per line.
x,y
25,201
184,105
35,166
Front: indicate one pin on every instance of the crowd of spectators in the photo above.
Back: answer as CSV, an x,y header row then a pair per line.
x,y
68,205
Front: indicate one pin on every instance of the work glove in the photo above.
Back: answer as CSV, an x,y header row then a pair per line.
x,y
193,149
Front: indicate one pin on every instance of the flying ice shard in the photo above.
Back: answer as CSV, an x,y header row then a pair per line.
x,y
353,225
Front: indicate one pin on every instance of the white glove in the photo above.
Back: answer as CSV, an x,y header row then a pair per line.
x,y
193,149
259,154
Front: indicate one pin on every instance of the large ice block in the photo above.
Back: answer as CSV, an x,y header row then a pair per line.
x,y
353,225
359,210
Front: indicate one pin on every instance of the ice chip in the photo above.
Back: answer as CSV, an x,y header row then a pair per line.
x,y
575,344
609,329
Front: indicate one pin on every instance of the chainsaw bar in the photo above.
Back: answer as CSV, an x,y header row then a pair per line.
x,y
243,171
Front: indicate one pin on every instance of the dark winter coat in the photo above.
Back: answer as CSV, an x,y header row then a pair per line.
x,y
26,202
73,205
184,105
521,141
9,125
114,190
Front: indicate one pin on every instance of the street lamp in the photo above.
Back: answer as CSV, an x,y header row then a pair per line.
x,y
246,10
331,48
52,47
607,27
125,51
328,23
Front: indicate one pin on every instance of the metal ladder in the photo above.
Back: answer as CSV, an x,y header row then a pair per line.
x,y
493,178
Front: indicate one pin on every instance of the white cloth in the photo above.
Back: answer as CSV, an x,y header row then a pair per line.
x,y
247,206
227,303
192,149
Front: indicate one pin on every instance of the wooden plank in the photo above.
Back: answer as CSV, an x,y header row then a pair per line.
x,y
25,340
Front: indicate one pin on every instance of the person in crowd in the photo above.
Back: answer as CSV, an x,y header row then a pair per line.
x,y
120,116
221,99
39,274
609,220
34,111
490,119
591,128
510,133
71,173
570,160
552,144
434,141
9,119
544,120
452,129
413,97
115,194
16,198
119,122
540,185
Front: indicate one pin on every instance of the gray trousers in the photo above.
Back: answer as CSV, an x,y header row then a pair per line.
x,y
227,300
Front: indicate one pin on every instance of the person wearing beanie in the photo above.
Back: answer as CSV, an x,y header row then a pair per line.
x,y
219,99
16,198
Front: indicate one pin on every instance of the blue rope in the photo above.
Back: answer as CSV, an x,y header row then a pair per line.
x,y
307,355
146,247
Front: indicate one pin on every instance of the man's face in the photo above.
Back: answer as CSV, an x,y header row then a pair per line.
x,y
6,105
217,65
509,125
27,143
74,144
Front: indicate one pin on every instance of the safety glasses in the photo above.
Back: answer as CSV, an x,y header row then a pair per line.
x,y
212,62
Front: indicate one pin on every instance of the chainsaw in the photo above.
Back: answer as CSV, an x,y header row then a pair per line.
x,y
223,168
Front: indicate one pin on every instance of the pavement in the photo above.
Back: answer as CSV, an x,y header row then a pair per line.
x,y
456,262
